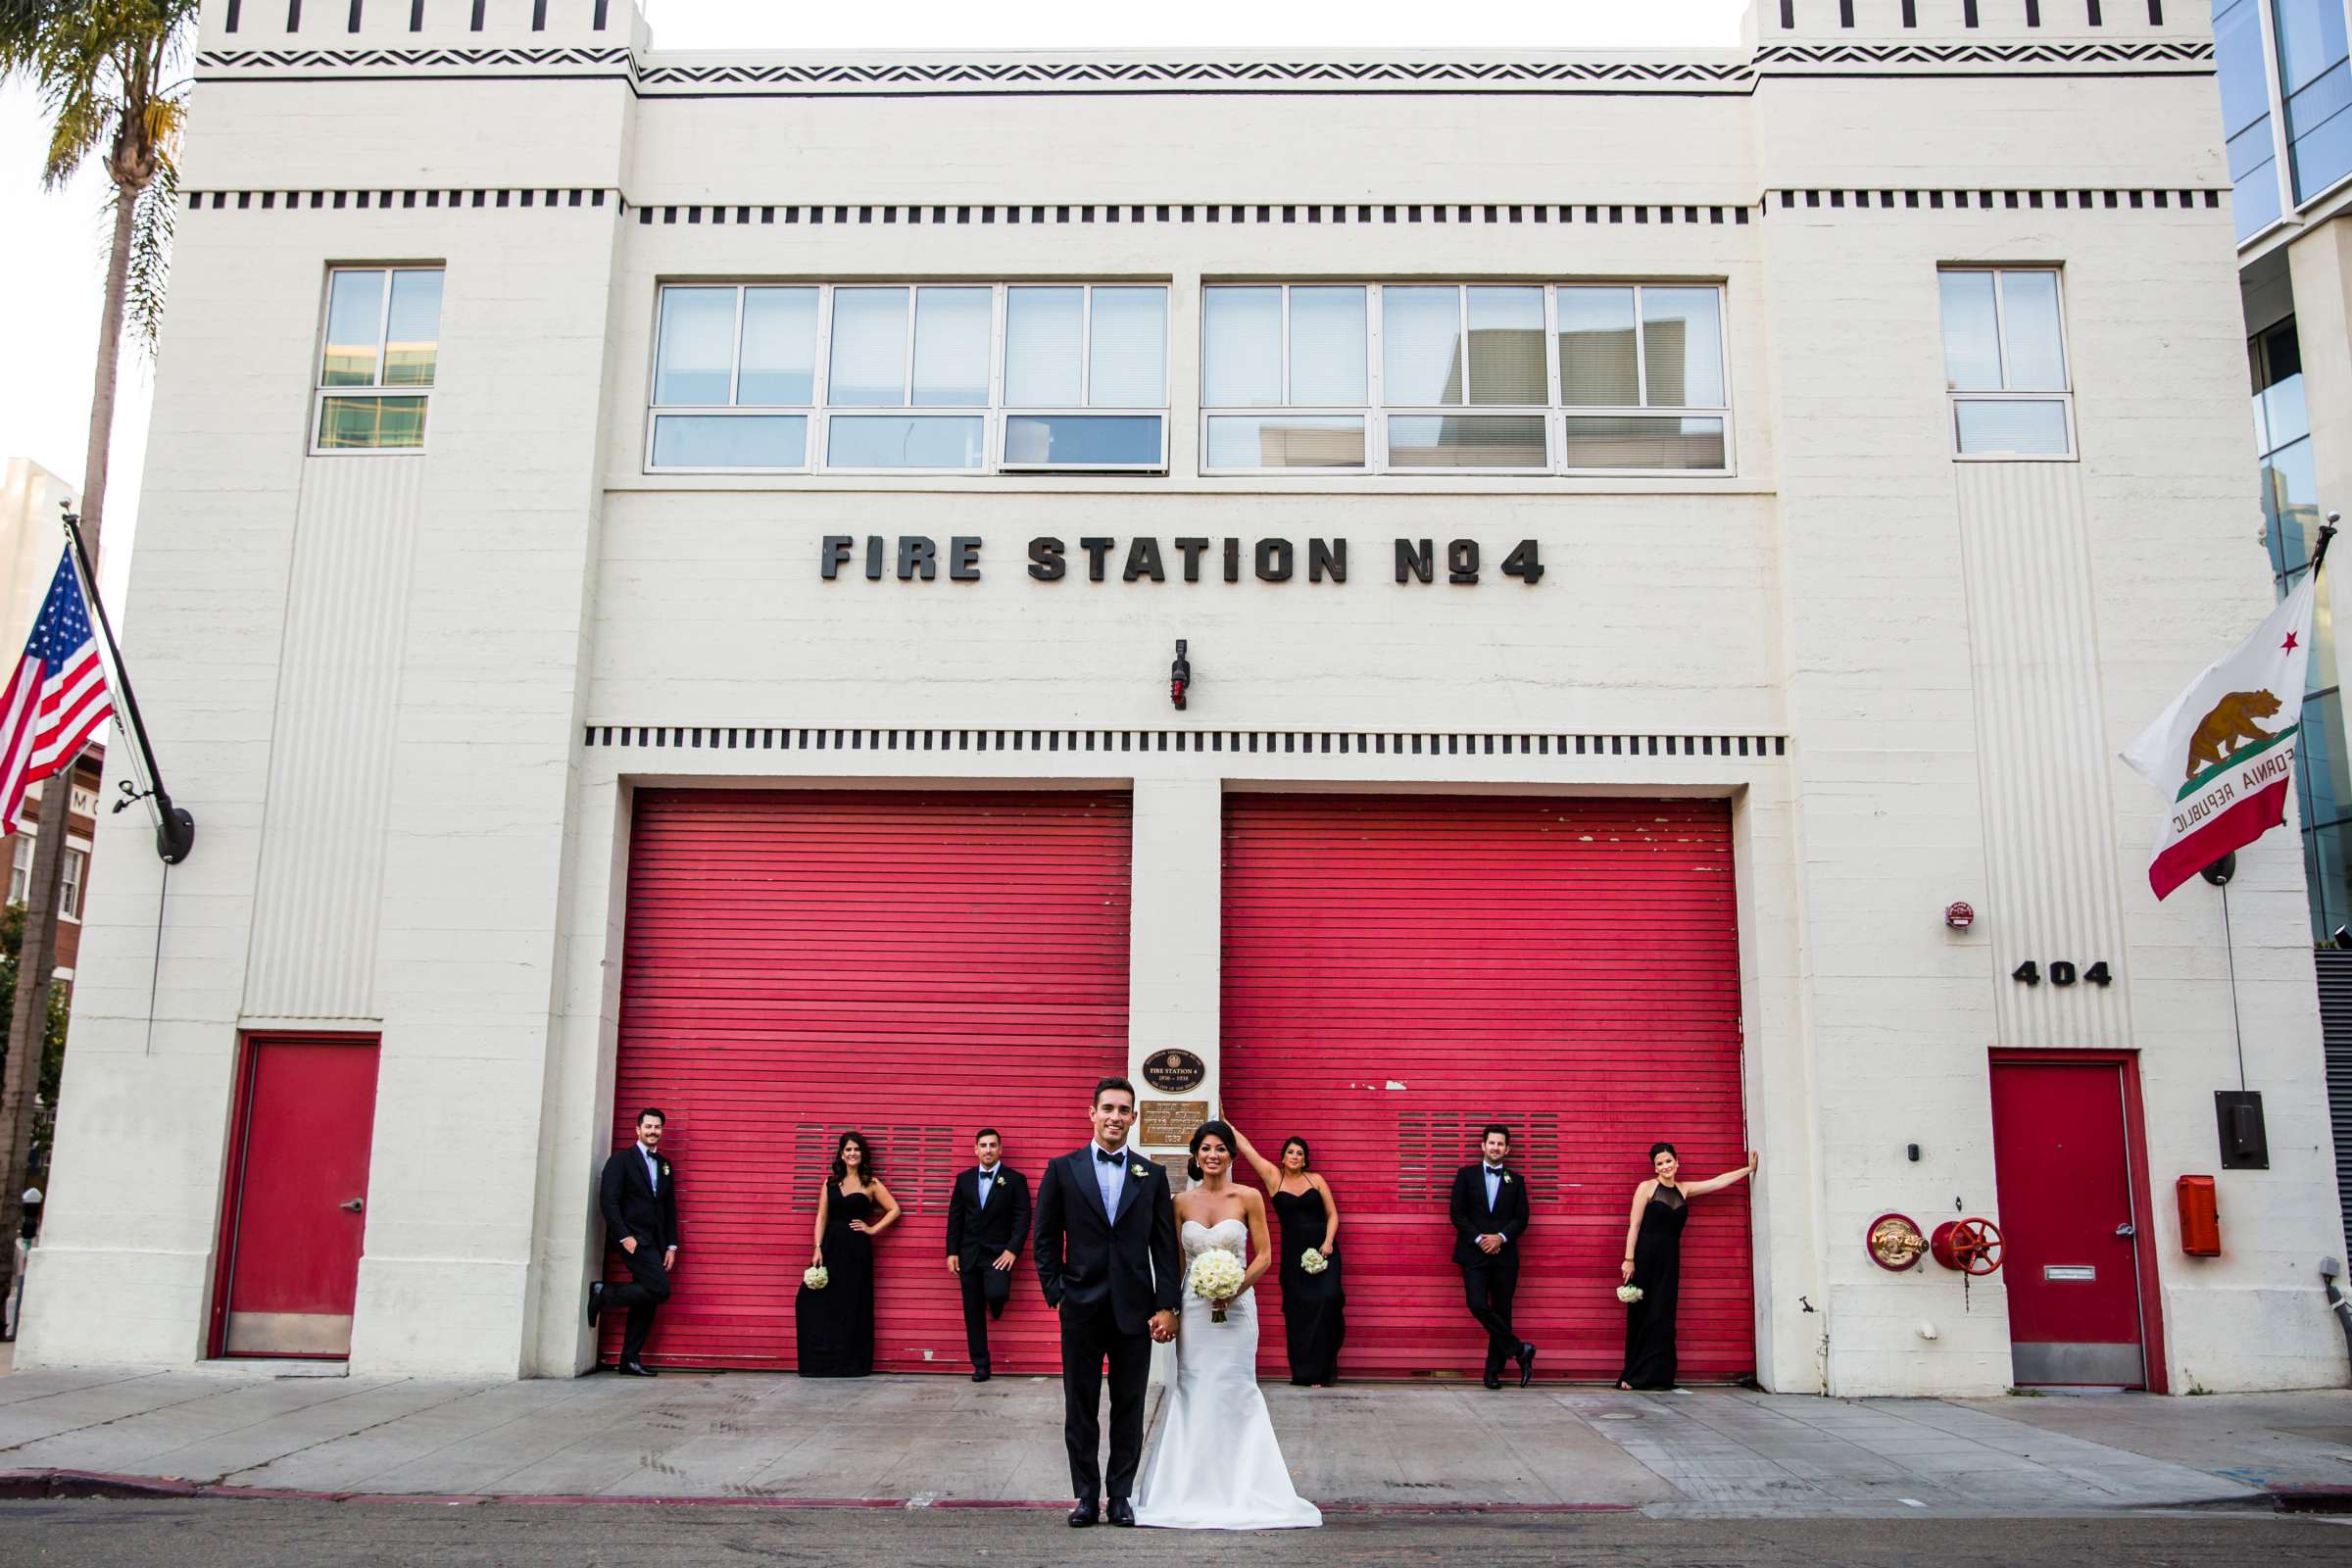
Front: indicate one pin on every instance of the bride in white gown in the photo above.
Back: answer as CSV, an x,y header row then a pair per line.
x,y
1217,1465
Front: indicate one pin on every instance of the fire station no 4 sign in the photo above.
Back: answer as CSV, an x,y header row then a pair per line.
x,y
1050,558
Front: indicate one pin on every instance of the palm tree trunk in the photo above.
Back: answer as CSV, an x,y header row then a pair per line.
x,y
37,961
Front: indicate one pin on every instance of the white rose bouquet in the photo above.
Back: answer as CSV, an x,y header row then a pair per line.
x,y
1314,1261
1216,1278
1628,1294
816,1279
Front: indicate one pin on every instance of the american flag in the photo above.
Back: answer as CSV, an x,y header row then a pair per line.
x,y
58,697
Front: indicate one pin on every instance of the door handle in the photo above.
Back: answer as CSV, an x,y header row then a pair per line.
x,y
351,1205
2126,1228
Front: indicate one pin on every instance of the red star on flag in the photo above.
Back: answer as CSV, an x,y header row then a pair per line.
x,y
2288,646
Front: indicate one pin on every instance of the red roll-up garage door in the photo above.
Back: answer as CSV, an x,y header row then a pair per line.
x,y
911,965
1400,970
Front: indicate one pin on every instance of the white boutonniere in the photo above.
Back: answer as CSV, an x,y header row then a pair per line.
x,y
664,1170
1136,1172
1507,1178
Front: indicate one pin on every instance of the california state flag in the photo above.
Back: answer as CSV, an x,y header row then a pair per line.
x,y
2223,753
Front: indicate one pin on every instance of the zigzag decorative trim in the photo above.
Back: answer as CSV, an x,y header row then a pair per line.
x,y
1333,743
1196,213
2090,53
1229,76
1205,74
409,59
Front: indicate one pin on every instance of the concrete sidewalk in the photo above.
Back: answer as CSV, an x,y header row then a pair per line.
x,y
939,1441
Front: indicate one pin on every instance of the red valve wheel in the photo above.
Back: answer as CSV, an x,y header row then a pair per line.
x,y
1969,1246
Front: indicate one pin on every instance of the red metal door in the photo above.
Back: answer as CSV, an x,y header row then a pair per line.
x,y
911,965
2061,1153
298,1162
1400,970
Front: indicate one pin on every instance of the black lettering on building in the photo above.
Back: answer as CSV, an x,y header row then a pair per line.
x,y
1274,558
835,555
1095,550
1143,560
963,559
1415,559
1327,557
1461,560
917,554
1046,562
1191,550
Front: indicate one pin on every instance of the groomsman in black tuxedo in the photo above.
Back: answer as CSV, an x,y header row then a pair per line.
x,y
1107,1258
1489,1209
639,1196
988,1221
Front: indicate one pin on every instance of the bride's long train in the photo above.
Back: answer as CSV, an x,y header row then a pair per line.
x,y
1217,1465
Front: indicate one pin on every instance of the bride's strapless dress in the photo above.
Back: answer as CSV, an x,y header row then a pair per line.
x,y
1217,1465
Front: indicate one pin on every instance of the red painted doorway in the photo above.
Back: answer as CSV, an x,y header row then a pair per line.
x,y
296,1216
2070,1161
1401,969
914,964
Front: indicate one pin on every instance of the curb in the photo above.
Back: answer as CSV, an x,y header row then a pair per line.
x,y
65,1485
2312,1499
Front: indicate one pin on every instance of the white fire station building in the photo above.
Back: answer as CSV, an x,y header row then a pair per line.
x,y
1371,592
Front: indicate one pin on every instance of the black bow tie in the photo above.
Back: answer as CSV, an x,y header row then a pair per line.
x,y
988,1175
1110,1160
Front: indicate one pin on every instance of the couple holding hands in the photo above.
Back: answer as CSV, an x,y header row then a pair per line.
x,y
1124,1262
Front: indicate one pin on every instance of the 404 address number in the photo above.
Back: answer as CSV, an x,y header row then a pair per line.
x,y
2062,973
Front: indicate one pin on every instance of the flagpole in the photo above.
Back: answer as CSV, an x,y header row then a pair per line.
x,y
2222,870
174,828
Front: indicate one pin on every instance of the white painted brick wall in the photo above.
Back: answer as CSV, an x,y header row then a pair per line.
x,y
1819,592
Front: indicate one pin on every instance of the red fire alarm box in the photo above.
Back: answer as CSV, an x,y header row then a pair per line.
x,y
2200,1218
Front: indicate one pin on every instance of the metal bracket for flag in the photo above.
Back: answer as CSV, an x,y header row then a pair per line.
x,y
174,827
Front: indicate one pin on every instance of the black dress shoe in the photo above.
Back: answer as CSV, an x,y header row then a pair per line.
x,y
1083,1515
596,1302
634,1369
1527,1363
980,1374
1494,1380
1122,1512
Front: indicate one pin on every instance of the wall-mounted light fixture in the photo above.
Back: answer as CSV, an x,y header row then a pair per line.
x,y
1180,675
1959,916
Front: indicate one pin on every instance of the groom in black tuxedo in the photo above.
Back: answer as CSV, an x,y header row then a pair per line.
x,y
988,1221
1489,1211
1107,1256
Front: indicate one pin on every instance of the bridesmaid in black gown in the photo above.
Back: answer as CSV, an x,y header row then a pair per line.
x,y
836,1325
1653,1262
1314,1306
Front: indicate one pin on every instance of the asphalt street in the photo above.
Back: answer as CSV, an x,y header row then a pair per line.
x,y
216,1534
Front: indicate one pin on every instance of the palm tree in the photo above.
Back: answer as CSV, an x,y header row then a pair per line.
x,y
109,76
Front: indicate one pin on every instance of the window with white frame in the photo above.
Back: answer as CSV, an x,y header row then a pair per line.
x,y
69,890
376,358
939,377
1464,378
2004,363
20,872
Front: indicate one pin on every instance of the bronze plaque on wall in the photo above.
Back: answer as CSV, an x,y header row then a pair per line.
x,y
1175,1072
1167,1122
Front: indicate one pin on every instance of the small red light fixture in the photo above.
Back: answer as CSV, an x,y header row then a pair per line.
x,y
1959,916
1180,676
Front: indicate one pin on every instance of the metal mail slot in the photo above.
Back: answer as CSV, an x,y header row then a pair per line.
x,y
2068,1271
